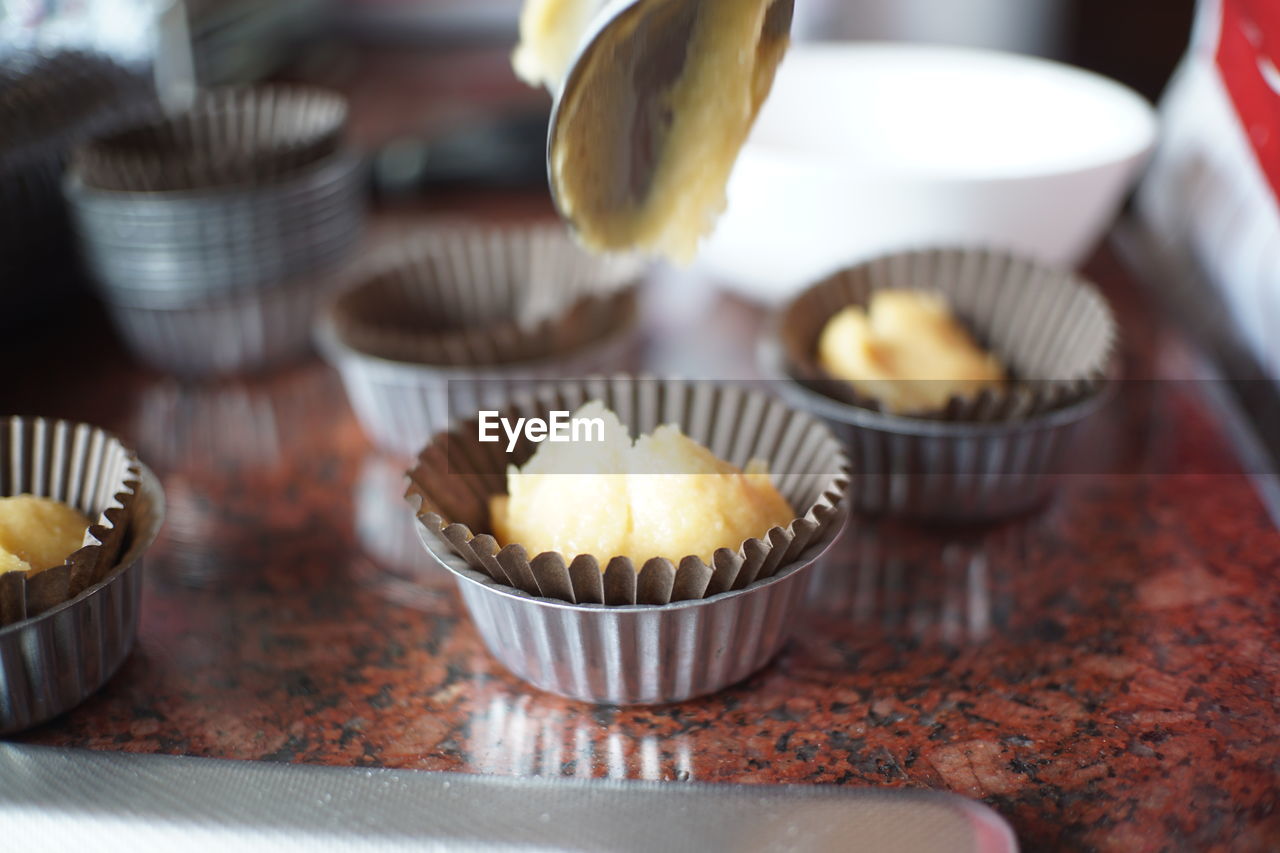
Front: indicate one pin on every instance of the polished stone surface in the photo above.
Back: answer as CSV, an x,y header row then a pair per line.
x,y
1104,673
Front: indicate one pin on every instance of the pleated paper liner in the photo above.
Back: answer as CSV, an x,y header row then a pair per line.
x,y
1051,329
456,474
85,468
229,137
470,296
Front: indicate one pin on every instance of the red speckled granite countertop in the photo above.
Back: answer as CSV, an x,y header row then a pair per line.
x,y
1105,674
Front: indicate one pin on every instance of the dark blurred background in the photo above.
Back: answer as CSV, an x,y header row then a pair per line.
x,y
419,66
393,56
434,102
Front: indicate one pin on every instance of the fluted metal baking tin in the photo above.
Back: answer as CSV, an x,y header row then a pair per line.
x,y
252,230
941,470
635,654
189,245
173,278
239,222
54,661
401,405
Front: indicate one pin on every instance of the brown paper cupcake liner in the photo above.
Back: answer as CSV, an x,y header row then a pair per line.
x,y
84,467
229,137
463,296
1053,330
456,473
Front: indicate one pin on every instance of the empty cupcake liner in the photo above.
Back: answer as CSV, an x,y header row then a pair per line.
x,y
456,319
1053,331
615,632
981,459
228,137
468,296
53,660
239,331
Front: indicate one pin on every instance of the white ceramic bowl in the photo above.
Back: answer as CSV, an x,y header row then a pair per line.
x,y
863,149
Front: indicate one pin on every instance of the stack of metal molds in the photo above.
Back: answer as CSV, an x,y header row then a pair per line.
x,y
212,234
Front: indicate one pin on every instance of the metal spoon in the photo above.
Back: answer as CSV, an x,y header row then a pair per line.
x,y
647,43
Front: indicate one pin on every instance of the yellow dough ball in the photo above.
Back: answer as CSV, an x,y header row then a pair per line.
x,y
907,351
663,495
38,533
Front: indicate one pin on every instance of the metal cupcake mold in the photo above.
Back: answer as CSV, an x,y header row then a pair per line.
x,y
84,468
602,628
456,473
634,654
996,457
133,274
235,242
468,296
221,217
400,405
52,661
212,235
949,471
455,318
1051,328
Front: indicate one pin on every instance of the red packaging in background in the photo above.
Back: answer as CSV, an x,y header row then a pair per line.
x,y
1211,194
